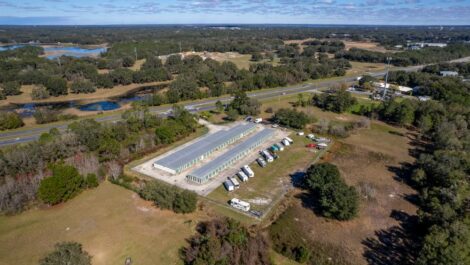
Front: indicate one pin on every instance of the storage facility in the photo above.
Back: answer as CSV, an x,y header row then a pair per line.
x,y
214,167
190,155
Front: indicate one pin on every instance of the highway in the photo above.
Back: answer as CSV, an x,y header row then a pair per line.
x,y
23,136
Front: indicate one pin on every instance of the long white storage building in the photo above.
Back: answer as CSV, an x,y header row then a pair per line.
x,y
190,155
206,172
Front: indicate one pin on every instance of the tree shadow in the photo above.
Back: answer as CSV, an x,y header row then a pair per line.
x,y
297,179
403,172
395,245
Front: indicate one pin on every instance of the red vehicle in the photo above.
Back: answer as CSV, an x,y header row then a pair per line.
x,y
311,145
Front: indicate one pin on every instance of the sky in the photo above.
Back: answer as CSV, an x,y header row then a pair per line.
x,y
107,12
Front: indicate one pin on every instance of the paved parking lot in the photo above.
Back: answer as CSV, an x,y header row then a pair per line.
x,y
179,180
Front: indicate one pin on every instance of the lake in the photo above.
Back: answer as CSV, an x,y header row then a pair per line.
x,y
52,52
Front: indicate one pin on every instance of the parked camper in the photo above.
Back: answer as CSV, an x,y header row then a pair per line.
x,y
285,142
242,176
267,156
235,182
248,171
261,162
322,145
279,146
290,140
258,120
239,204
322,140
229,185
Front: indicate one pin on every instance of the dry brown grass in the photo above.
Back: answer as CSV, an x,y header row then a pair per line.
x,y
111,222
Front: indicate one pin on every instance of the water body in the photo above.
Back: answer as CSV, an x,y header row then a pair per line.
x,y
57,51
100,106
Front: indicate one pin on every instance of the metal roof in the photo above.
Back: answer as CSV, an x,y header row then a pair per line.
x,y
232,153
206,144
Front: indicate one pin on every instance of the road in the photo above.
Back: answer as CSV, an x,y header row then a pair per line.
x,y
23,136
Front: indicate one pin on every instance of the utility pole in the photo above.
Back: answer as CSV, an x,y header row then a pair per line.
x,y
180,47
135,52
389,59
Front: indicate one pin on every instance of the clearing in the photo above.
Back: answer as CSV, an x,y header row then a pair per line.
x,y
111,222
367,160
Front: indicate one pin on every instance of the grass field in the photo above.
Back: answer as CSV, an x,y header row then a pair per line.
x,y
111,222
359,68
366,159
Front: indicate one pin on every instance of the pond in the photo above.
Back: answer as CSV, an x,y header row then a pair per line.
x,y
100,106
52,52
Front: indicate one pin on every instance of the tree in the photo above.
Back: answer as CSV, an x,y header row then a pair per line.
x,y
219,106
83,86
244,105
11,88
339,101
291,118
64,184
91,180
56,86
67,253
256,57
336,199
10,120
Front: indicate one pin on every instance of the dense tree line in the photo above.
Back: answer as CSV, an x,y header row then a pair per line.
x,y
406,58
226,241
23,167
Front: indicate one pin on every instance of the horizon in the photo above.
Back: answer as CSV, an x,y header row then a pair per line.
x,y
295,12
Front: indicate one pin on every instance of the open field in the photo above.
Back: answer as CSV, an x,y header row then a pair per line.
x,y
272,182
111,222
359,68
365,45
367,160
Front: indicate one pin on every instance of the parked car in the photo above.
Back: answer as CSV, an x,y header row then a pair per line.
x,y
285,142
322,145
311,136
275,125
300,133
258,120
279,146
311,145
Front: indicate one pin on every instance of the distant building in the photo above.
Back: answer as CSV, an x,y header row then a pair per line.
x,y
449,73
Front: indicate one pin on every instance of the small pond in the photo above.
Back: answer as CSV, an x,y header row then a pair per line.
x,y
53,52
100,106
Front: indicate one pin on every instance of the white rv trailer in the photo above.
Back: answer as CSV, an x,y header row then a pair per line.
x,y
248,171
242,176
240,205
235,182
229,185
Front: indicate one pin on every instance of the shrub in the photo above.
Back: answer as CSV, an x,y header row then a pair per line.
x,y
56,86
11,88
40,92
67,253
10,120
169,197
64,183
2,95
91,181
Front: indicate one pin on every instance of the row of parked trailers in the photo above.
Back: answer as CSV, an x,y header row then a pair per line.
x,y
244,174
266,155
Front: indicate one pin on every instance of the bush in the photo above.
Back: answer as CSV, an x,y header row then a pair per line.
x,y
336,199
64,184
40,92
338,101
169,197
83,86
11,88
2,95
67,253
10,120
91,181
56,86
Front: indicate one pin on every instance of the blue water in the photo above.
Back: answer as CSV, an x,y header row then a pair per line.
x,y
100,106
72,51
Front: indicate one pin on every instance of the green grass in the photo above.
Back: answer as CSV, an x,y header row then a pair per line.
x,y
111,222
272,181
